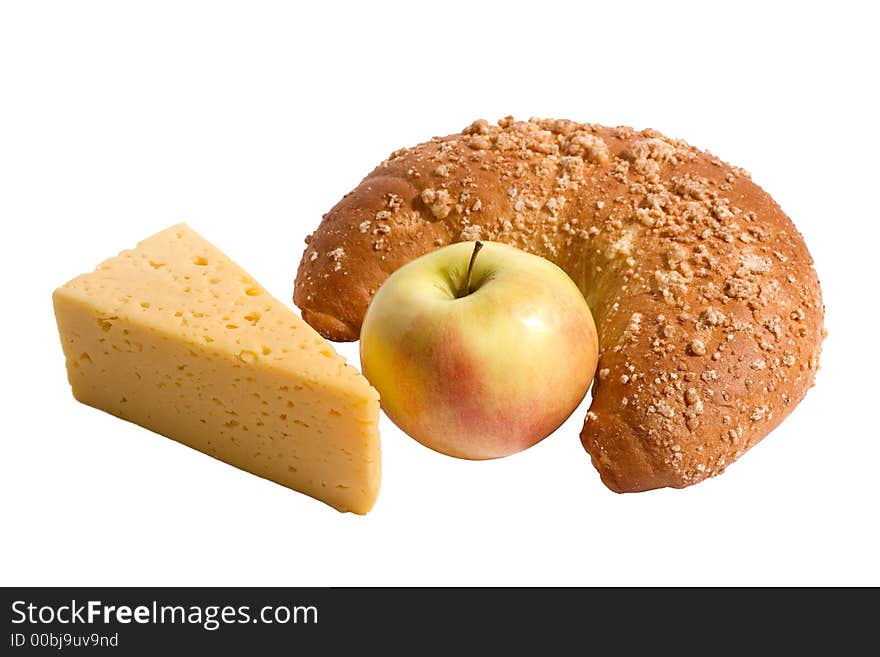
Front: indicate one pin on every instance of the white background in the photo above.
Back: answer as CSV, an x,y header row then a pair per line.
x,y
250,120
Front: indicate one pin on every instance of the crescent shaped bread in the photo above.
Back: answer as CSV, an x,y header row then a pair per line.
x,y
708,309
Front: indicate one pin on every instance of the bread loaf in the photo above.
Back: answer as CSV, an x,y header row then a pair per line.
x,y
708,309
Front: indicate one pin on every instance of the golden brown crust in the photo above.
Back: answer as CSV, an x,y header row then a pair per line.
x,y
708,308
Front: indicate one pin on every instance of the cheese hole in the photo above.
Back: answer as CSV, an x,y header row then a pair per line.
x,y
253,318
232,326
266,351
200,261
246,356
156,265
252,291
145,304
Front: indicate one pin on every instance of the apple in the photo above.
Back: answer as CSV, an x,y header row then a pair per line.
x,y
479,350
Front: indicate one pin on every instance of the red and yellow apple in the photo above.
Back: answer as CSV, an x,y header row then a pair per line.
x,y
479,350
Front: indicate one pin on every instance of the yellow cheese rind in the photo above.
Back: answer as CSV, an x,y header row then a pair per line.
x,y
177,338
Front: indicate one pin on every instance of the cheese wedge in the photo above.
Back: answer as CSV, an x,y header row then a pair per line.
x,y
177,338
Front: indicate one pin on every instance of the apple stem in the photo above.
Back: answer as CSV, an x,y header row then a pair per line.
x,y
470,270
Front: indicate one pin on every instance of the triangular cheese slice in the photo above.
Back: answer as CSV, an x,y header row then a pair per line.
x,y
177,338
